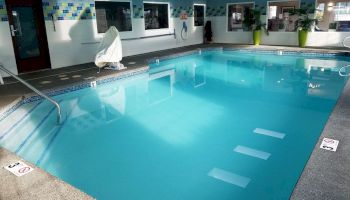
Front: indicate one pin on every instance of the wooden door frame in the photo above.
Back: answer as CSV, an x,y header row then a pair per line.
x,y
42,35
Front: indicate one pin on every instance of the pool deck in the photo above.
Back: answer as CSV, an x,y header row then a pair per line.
x,y
326,175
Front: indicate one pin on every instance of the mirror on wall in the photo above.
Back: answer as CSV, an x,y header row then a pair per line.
x,y
236,14
332,15
279,18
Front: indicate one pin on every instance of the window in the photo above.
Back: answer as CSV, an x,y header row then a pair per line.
x,y
272,12
111,13
236,13
280,18
333,16
342,11
319,12
198,15
156,16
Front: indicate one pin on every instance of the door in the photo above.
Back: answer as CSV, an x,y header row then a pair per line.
x,y
28,33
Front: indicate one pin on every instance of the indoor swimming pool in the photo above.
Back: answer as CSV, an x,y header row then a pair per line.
x,y
217,125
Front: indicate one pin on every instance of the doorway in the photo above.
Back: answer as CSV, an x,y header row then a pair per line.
x,y
28,34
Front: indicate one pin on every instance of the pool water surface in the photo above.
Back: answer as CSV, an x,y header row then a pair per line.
x,y
221,125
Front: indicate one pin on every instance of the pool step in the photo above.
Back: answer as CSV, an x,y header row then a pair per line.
x,y
23,112
25,128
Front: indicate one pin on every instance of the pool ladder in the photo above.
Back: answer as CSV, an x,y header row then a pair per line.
x,y
55,103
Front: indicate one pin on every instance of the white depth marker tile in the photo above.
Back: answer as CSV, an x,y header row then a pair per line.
x,y
329,144
269,133
229,177
252,152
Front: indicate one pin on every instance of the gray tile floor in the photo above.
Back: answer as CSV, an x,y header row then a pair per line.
x,y
326,175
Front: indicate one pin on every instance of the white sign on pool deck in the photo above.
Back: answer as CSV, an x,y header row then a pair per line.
x,y
19,168
329,144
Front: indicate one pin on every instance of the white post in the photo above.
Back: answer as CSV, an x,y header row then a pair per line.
x,y
1,80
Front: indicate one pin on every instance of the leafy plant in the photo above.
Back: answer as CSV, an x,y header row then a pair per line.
x,y
304,22
253,22
281,25
248,18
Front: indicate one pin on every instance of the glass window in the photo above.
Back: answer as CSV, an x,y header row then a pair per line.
x,y
116,14
333,16
272,12
156,16
342,11
198,15
236,14
319,12
279,17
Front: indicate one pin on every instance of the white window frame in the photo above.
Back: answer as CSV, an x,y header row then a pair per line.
x,y
204,13
159,31
131,14
226,15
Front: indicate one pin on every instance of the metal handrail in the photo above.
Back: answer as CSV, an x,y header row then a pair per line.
x,y
59,117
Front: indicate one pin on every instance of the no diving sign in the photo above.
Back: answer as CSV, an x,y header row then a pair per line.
x,y
329,144
19,168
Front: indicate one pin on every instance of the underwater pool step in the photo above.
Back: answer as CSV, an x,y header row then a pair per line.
x,y
229,177
30,135
269,133
17,135
7,125
252,152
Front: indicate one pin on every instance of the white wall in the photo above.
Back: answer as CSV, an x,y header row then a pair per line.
x,y
317,39
76,42
7,55
221,35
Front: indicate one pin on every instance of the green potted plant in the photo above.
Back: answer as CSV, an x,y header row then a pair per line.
x,y
332,27
304,25
253,22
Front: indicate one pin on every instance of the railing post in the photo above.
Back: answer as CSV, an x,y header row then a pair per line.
x,y
1,80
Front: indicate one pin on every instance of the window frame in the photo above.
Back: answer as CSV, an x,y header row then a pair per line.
x,y
144,19
267,14
118,1
204,13
226,15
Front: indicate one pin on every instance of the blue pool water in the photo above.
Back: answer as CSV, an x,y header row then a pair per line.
x,y
222,125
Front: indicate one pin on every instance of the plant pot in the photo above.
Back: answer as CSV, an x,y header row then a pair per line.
x,y
256,37
302,36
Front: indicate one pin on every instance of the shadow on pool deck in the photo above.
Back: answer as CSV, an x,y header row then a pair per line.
x,y
326,175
